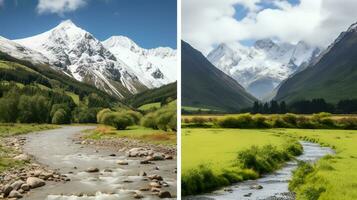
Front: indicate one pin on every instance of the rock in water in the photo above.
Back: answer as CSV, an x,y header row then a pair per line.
x,y
164,194
34,182
92,170
122,162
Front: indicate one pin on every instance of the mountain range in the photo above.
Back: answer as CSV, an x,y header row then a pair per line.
x,y
117,65
331,76
205,86
263,66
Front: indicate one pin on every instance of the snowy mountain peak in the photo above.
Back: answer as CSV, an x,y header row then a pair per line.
x,y
154,67
122,41
263,66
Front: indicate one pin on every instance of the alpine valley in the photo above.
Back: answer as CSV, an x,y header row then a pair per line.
x,y
262,67
117,65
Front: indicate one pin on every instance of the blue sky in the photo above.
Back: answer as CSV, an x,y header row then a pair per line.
x,y
150,23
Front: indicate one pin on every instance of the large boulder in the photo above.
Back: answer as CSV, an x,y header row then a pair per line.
x,y
34,182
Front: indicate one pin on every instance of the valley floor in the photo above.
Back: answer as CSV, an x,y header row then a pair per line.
x,y
217,149
140,163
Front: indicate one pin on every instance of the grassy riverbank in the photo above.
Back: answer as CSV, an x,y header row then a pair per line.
x,y
334,177
7,153
11,129
134,132
213,158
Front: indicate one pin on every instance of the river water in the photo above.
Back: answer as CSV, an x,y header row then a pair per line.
x,y
275,185
56,149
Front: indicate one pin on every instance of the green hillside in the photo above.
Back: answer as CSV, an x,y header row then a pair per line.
x,y
333,77
206,87
163,93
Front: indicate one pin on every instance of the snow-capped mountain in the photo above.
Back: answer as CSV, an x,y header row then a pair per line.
x,y
20,52
153,67
263,66
79,54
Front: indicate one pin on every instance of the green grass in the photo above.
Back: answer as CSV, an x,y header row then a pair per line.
x,y
134,132
213,158
150,106
190,108
9,129
218,147
334,177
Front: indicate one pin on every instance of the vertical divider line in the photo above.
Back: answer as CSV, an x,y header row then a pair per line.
x,y
178,99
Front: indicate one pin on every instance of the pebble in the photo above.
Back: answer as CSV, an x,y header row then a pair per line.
x,y
92,170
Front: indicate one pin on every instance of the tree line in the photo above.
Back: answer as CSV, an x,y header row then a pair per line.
x,y
347,106
32,104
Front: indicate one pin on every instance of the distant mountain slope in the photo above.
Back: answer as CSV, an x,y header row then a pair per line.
x,y
205,86
154,67
79,54
263,66
332,76
154,95
25,72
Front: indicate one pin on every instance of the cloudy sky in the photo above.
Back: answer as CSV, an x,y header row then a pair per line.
x,y
206,23
149,23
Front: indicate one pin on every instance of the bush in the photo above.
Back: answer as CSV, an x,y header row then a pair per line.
x,y
122,120
241,121
60,117
267,158
149,121
164,119
101,114
136,116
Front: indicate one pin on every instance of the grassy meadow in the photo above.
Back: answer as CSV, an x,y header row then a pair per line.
x,y
218,148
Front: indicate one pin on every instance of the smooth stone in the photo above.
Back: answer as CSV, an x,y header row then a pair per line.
x,y
34,182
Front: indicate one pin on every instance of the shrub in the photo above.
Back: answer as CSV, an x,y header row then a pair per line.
x,y
136,116
60,117
306,123
149,121
122,120
101,114
260,121
267,158
290,118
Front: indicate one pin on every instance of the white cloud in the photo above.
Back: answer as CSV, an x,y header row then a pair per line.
x,y
59,6
206,23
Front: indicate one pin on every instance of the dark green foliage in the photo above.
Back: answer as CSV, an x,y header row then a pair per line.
x,y
85,115
96,101
33,109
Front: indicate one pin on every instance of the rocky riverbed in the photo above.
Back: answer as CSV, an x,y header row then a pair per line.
x,y
66,166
